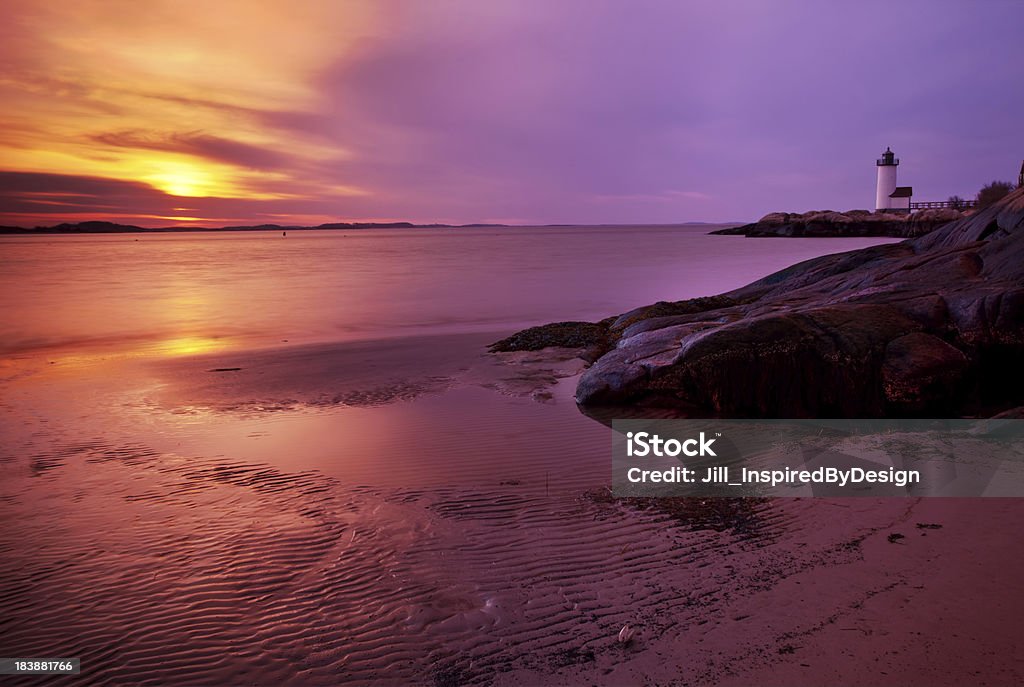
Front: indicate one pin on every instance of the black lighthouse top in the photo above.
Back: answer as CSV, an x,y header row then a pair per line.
x,y
888,159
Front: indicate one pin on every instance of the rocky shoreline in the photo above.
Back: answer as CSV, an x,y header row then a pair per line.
x,y
827,223
931,325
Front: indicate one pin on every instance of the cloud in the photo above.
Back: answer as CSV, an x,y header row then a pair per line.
x,y
13,184
201,145
28,198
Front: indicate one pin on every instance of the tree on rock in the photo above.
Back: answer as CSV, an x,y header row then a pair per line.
x,y
990,193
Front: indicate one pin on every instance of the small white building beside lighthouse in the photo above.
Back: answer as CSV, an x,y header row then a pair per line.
x,y
889,196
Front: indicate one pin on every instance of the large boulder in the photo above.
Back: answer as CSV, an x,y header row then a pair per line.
x,y
930,325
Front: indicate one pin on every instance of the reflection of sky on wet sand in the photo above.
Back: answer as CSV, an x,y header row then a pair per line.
x,y
385,430
465,436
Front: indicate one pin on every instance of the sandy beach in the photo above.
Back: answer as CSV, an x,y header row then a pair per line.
x,y
245,525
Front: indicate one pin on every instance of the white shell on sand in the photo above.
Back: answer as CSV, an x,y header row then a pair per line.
x,y
626,634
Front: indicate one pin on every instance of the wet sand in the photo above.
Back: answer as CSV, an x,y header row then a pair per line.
x,y
419,511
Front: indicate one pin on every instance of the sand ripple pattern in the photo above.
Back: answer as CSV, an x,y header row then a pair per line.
x,y
171,569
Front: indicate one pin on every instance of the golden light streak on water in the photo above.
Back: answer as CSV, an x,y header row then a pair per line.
x,y
189,345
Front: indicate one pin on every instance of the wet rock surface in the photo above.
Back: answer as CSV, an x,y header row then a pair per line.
x,y
593,338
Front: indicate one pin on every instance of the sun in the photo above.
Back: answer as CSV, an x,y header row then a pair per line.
x,y
182,179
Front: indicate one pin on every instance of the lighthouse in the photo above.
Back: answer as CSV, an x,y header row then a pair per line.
x,y
886,186
889,196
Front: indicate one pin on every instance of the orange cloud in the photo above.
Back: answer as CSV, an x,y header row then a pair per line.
x,y
173,95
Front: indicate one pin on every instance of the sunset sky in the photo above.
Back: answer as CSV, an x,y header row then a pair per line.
x,y
296,112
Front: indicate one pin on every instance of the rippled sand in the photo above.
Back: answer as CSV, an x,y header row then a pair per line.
x,y
415,511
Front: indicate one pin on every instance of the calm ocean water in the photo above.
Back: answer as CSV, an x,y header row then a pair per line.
x,y
193,292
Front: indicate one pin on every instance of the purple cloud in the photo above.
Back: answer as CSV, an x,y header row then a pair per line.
x,y
729,110
199,144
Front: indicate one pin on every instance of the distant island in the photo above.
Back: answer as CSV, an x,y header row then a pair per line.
x,y
827,223
115,228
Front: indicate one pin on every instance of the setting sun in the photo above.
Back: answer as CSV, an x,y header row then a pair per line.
x,y
180,179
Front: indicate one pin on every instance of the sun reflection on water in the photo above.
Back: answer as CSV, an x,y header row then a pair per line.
x,y
189,345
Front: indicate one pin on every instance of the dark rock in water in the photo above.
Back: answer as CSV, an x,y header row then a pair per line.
x,y
815,360
594,337
932,325
826,223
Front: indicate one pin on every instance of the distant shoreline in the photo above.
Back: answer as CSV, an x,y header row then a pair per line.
x,y
860,223
114,228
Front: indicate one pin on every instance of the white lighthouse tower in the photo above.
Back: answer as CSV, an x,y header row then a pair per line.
x,y
887,165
